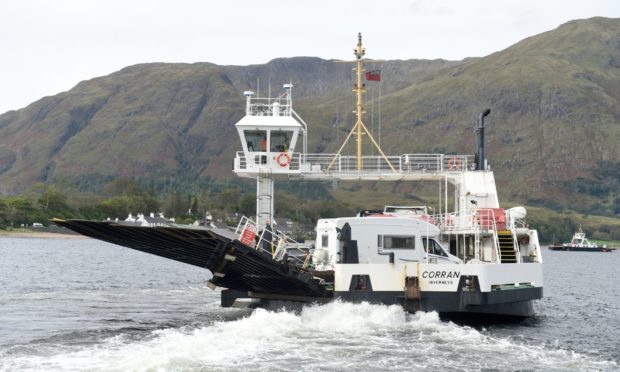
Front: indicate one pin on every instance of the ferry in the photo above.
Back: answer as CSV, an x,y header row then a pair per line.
x,y
464,256
580,243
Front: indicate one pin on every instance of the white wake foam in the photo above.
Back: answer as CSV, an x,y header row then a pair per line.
x,y
335,336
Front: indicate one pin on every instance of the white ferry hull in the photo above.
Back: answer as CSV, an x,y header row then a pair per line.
x,y
578,249
513,303
493,289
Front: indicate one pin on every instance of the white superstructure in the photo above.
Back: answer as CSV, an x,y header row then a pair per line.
x,y
469,246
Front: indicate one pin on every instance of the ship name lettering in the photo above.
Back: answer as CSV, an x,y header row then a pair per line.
x,y
441,274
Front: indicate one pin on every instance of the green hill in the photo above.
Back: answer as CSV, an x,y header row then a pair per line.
x,y
552,136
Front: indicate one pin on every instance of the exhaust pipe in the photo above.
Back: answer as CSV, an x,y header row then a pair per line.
x,y
480,160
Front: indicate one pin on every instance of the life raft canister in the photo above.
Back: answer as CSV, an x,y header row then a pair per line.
x,y
283,159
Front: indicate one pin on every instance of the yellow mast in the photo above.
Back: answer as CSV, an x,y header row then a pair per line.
x,y
359,126
359,91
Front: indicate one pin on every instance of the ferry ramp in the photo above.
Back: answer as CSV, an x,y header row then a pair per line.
x,y
234,265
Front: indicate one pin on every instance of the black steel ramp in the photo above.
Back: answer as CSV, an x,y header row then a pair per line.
x,y
233,264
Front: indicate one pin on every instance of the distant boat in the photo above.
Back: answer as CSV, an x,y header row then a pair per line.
x,y
580,243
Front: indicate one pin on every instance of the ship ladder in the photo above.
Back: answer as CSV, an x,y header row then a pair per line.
x,y
413,295
507,252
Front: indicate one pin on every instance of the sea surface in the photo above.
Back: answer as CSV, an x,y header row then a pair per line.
x,y
85,305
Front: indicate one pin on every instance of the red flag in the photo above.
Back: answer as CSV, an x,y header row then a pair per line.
x,y
374,75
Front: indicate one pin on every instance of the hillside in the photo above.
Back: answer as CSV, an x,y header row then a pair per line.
x,y
552,135
160,120
554,100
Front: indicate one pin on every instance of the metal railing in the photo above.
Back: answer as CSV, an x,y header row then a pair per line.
x,y
268,240
515,223
476,221
332,163
264,106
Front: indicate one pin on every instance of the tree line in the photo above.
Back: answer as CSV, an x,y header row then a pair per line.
x,y
303,203
42,202
120,197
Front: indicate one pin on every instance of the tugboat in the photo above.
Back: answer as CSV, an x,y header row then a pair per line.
x,y
469,258
580,243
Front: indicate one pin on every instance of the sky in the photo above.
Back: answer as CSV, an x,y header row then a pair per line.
x,y
48,46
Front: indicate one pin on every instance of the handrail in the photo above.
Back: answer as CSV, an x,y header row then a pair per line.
x,y
337,163
488,215
478,219
264,106
248,232
515,246
498,257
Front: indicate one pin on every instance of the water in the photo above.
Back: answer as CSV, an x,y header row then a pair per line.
x,y
80,304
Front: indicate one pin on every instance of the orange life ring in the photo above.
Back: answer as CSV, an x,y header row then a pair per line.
x,y
283,159
454,163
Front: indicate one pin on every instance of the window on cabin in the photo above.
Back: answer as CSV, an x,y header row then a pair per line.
x,y
431,246
256,140
324,241
280,140
398,241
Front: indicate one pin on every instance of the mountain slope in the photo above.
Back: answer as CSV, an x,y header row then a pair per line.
x,y
554,100
158,120
147,120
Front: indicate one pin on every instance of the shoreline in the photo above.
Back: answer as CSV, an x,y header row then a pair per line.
x,y
40,234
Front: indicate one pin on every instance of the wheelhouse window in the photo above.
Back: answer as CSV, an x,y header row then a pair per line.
x,y
396,241
256,140
280,140
324,241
